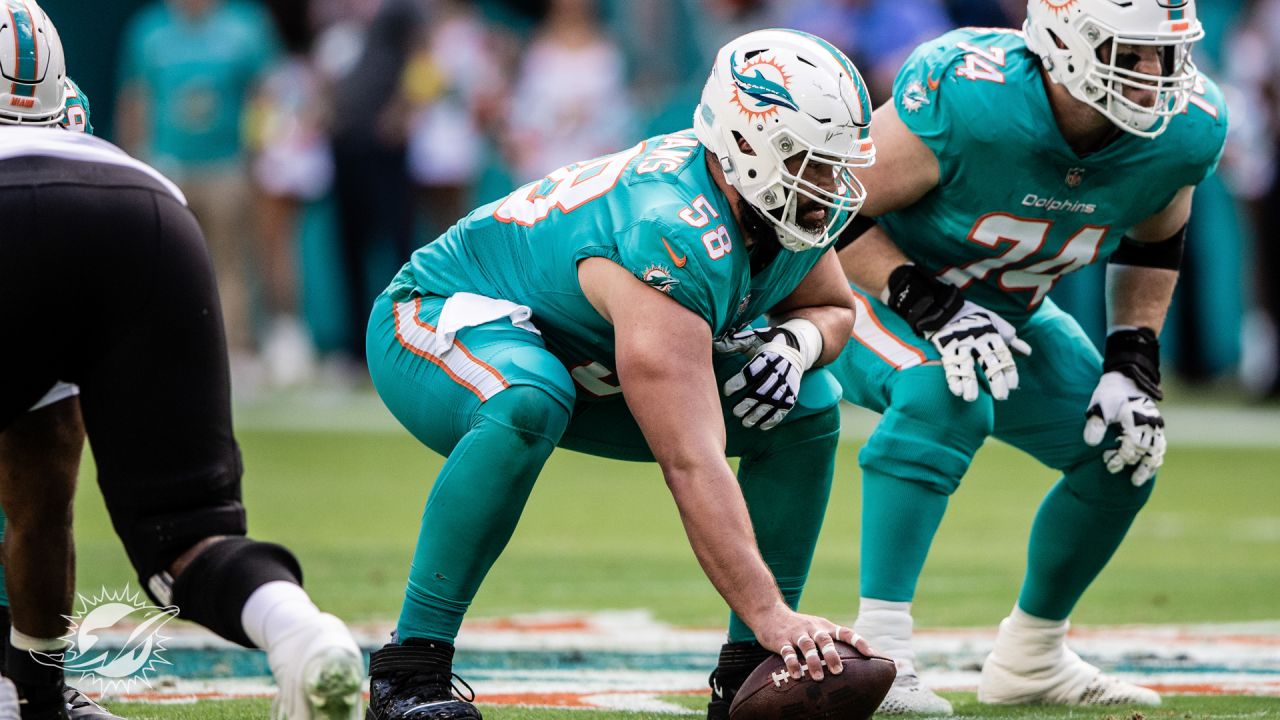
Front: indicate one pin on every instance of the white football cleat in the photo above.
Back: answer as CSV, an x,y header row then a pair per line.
x,y
9,707
910,696
1031,664
320,672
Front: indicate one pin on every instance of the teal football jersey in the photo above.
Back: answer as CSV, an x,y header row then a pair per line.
x,y
653,209
77,104
1016,208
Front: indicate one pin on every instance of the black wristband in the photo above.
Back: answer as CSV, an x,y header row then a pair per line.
x,y
924,301
1136,354
856,228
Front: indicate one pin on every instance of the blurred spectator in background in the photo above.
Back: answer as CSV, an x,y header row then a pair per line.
x,y
987,13
1253,68
364,60
571,98
876,34
456,87
727,19
292,166
187,72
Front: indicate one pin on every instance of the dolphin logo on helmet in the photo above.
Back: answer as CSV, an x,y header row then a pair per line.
x,y
763,90
788,127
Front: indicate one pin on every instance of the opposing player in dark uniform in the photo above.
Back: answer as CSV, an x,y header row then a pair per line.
x,y
43,447
105,283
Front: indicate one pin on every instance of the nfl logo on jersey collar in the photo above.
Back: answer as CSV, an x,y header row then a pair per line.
x,y
1075,176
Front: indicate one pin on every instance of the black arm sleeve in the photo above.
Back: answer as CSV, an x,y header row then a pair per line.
x,y
1166,254
856,229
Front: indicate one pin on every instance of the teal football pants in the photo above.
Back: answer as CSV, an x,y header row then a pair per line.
x,y
926,438
499,402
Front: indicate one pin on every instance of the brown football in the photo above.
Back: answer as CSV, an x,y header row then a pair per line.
x,y
770,693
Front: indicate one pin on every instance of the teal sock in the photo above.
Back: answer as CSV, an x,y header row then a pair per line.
x,y
786,481
899,520
1077,529
474,506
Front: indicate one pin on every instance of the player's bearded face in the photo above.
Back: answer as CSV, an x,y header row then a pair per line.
x,y
811,215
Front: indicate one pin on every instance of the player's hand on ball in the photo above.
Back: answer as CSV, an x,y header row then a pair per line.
x,y
975,334
1118,401
771,379
807,643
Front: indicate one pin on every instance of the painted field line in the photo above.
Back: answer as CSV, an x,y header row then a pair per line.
x,y
628,660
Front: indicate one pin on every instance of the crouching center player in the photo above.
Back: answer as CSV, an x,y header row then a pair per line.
x,y
603,309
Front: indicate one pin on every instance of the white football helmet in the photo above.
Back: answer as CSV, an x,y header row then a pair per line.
x,y
32,66
1070,37
789,94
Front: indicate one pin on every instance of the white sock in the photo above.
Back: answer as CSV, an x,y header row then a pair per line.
x,y
1027,641
274,610
23,641
887,627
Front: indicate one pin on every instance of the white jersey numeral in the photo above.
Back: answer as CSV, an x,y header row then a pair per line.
x,y
1024,238
596,379
566,189
699,212
982,63
718,242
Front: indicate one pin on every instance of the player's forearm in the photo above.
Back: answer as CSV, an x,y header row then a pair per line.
x,y
675,402
1139,296
719,530
870,259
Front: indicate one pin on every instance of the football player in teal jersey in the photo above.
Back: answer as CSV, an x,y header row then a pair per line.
x,y
1008,159
521,327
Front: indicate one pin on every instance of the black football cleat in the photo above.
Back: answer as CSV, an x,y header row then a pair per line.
x,y
737,660
41,705
80,707
414,681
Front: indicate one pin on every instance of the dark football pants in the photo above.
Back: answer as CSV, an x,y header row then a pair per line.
x,y
105,282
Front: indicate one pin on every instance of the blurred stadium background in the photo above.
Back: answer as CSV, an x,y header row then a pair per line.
x,y
321,141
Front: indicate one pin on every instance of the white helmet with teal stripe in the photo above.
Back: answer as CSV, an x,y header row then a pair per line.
x,y
32,66
805,116
1087,46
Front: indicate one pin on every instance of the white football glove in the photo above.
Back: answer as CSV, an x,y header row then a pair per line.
x,y
1118,401
975,333
771,379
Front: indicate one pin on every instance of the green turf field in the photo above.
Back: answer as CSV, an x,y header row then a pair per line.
x,y
605,535
600,534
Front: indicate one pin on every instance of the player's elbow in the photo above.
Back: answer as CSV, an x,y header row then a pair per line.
x,y
842,318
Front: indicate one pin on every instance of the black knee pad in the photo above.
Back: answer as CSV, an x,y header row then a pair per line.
x,y
214,588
